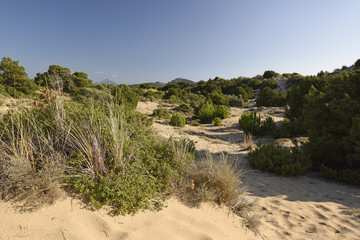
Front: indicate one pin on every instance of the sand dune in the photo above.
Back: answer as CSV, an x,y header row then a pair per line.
x,y
304,207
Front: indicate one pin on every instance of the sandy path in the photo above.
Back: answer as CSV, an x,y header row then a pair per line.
x,y
304,207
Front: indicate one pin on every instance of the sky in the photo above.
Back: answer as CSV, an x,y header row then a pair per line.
x,y
137,41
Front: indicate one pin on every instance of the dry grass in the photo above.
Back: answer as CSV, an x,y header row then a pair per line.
x,y
30,169
248,143
216,181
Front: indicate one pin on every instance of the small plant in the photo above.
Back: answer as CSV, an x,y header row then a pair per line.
x,y
250,123
195,123
279,160
206,112
161,113
185,108
351,176
222,112
178,120
217,121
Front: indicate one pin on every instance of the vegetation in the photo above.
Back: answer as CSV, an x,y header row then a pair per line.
x,y
270,98
279,160
161,113
178,120
252,124
217,121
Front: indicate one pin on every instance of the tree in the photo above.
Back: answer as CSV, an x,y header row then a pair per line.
x,y
124,95
14,77
81,79
357,63
269,74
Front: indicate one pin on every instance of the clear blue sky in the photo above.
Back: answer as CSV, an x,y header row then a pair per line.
x,y
133,41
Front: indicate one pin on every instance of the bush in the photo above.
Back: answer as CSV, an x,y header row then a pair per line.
x,y
351,176
161,113
267,126
270,98
250,123
271,83
217,121
124,95
279,160
207,112
178,120
185,108
357,63
222,112
269,74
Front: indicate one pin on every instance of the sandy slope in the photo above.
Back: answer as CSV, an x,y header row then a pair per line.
x,y
305,207
69,220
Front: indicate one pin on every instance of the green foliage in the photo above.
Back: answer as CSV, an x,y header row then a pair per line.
x,y
279,160
178,120
222,112
332,119
270,98
267,126
207,112
235,101
269,74
289,129
185,108
217,121
250,123
271,83
14,77
357,63
124,95
161,113
351,176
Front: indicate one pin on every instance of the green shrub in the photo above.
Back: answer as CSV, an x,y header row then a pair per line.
x,y
161,113
351,176
270,98
178,120
124,95
267,126
195,122
222,112
279,160
250,123
357,63
217,121
271,83
235,101
207,112
185,108
269,74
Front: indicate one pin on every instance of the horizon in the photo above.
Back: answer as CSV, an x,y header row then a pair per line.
x,y
135,42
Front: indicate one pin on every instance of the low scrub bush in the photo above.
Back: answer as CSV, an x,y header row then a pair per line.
x,y
217,121
279,160
251,123
178,120
351,176
207,112
185,108
161,113
222,112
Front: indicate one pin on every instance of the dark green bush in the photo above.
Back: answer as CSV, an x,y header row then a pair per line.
x,y
269,74
207,112
217,121
178,120
351,176
124,95
185,108
357,63
250,123
267,126
222,112
161,113
271,83
270,98
279,160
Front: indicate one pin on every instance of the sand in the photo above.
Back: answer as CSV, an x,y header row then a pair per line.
x,y
304,207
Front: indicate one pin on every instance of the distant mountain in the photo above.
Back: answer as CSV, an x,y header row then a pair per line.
x,y
176,80
108,81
